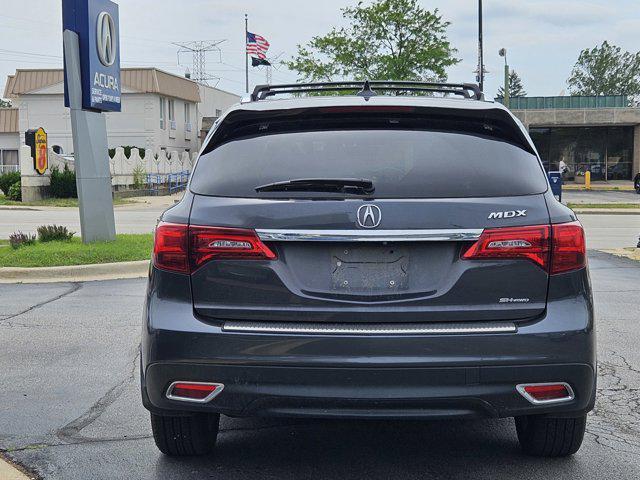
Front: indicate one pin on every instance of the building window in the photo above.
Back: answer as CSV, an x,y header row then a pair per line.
x,y
162,114
606,152
9,161
218,112
172,114
187,117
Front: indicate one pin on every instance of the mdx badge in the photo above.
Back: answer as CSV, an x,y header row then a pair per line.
x,y
508,214
369,216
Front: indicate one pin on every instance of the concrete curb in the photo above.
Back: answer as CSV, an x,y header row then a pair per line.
x,y
598,188
75,273
630,253
8,471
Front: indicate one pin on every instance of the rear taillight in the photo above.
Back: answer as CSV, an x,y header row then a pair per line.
x,y
529,243
208,243
182,248
170,247
569,248
558,248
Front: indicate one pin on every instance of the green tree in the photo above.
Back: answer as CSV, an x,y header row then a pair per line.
x,y
385,40
606,70
5,103
516,88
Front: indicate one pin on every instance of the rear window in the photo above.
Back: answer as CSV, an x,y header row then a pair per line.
x,y
401,164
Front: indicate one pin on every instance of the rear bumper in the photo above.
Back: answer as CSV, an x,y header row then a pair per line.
x,y
409,393
363,376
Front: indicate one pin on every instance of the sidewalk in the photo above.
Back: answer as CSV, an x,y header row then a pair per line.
x,y
155,202
607,211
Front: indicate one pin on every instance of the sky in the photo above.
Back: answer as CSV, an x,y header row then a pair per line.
x,y
543,37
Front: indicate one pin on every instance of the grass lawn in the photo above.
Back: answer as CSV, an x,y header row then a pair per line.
x,y
55,202
603,205
125,248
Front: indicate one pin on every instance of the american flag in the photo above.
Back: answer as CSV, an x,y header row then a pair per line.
x,y
257,45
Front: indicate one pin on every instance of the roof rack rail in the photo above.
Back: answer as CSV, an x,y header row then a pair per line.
x,y
366,88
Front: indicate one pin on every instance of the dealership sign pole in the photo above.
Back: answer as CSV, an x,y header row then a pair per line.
x,y
92,86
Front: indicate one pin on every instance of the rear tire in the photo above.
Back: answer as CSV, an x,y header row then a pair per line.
x,y
185,436
550,437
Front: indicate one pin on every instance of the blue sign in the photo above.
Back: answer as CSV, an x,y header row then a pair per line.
x,y
555,180
97,26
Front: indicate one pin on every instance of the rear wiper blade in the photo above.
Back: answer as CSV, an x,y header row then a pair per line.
x,y
345,185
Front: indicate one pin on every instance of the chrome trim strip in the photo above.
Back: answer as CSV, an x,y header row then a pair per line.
x,y
451,235
206,399
521,391
370,328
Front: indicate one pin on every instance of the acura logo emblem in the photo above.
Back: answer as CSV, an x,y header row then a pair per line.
x,y
106,39
369,216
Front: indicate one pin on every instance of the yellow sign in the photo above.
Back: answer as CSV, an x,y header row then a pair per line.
x,y
41,159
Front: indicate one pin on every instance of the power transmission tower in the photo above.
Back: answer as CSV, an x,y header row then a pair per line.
x,y
269,74
269,68
199,50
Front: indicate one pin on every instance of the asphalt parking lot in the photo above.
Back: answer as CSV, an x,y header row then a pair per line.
x,y
70,409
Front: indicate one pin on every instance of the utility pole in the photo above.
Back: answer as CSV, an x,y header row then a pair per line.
x,y
199,50
481,71
506,101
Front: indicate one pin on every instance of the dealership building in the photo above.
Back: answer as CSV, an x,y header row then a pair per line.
x,y
160,111
579,134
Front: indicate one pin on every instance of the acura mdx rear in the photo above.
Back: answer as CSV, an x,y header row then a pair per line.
x,y
369,256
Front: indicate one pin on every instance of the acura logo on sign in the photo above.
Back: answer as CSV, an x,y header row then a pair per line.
x,y
106,39
369,216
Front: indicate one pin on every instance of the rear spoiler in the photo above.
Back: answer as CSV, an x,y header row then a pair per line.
x,y
241,122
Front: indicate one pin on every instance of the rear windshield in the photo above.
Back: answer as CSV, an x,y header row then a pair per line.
x,y
401,164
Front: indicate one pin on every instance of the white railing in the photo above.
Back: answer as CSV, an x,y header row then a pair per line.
x,y
9,168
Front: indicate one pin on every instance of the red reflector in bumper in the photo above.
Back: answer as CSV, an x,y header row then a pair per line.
x,y
200,392
541,393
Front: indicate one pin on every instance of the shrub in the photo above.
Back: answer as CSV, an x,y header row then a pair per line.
x,y
139,177
15,192
8,179
127,151
50,233
19,239
63,184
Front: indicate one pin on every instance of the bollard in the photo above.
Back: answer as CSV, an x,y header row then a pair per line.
x,y
587,180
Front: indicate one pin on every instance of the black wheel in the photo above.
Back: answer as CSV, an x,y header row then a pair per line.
x,y
636,183
185,436
550,437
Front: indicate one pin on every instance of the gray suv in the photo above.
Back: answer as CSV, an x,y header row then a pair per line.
x,y
388,252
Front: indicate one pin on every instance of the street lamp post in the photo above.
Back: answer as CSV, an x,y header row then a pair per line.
x,y
503,53
481,70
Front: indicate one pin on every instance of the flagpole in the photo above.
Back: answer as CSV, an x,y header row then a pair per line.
x,y
246,54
